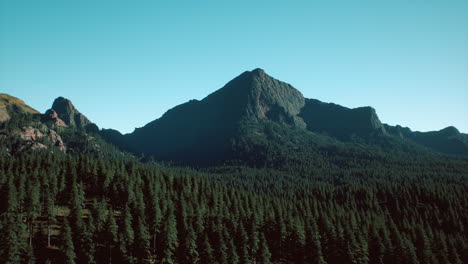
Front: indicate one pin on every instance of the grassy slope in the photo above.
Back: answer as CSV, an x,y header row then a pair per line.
x,y
7,101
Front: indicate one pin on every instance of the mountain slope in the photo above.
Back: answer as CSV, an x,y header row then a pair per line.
x,y
448,140
202,130
252,118
10,105
69,114
339,121
26,130
256,111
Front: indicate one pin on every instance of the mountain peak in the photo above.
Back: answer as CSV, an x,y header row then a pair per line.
x,y
256,96
69,114
450,131
259,72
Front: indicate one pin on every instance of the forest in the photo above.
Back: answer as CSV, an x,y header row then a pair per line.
x,y
58,208
274,201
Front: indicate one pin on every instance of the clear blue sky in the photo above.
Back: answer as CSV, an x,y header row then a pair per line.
x,y
124,63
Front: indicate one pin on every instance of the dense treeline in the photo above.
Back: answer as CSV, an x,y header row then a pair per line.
x,y
58,208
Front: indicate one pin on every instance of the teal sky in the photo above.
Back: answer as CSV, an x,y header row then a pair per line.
x,y
124,63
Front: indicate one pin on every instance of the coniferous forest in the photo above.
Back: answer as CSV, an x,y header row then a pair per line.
x,y
58,208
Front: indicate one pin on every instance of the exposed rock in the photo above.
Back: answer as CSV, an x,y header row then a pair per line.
x,y
94,144
30,145
37,145
29,137
52,116
56,140
30,133
69,114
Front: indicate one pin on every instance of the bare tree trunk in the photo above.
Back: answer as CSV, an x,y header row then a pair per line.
x,y
30,232
48,234
154,243
110,255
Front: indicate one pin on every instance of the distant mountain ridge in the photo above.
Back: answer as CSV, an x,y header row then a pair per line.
x,y
253,109
206,129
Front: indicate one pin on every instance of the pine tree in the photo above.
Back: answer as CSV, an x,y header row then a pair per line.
x,y
232,253
127,235
297,238
67,246
110,235
12,230
189,252
207,252
243,242
169,238
424,246
264,254
313,245
142,241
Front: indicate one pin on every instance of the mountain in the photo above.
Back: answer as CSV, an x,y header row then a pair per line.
x,y
66,111
339,121
255,107
10,105
253,118
448,140
201,130
62,128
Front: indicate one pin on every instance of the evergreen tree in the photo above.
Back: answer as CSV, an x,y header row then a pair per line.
x,y
67,246
264,254
110,235
207,252
169,238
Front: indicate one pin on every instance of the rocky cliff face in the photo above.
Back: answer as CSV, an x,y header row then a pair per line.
x,y
51,117
67,112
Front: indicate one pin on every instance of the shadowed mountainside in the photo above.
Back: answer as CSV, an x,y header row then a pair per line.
x,y
205,130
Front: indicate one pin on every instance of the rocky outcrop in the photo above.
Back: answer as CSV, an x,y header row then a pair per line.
x,y
32,139
67,112
30,145
56,140
51,117
29,134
